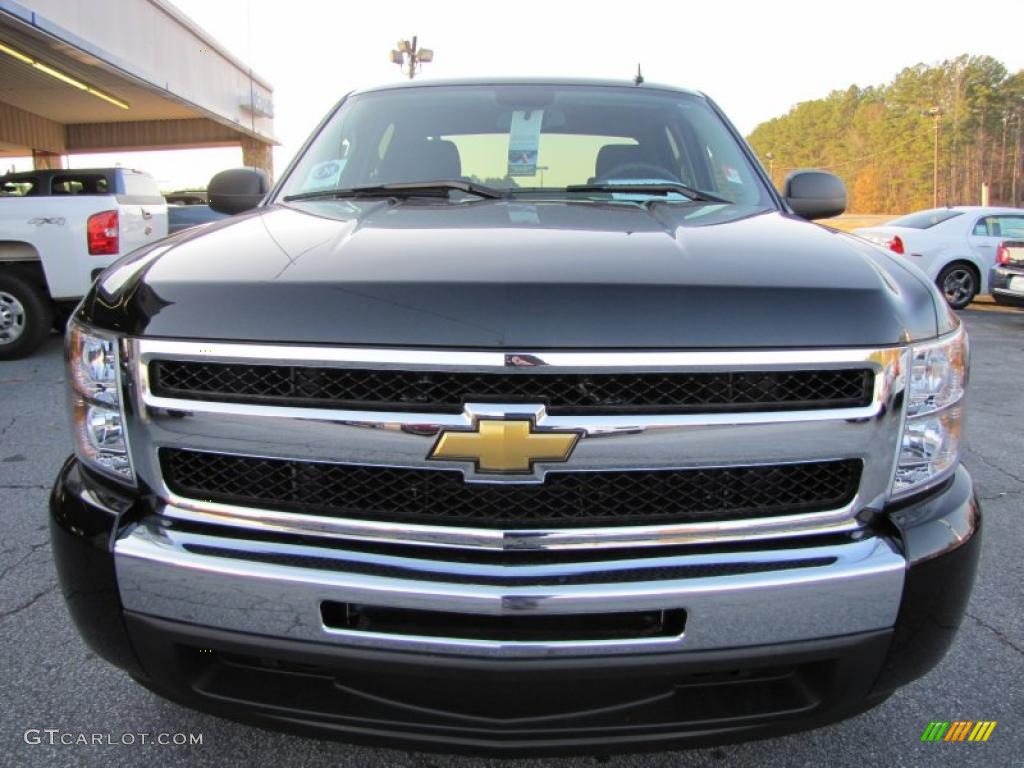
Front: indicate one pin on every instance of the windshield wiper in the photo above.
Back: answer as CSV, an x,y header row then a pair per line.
x,y
403,189
653,188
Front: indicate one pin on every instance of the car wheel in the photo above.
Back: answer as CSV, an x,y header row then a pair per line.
x,y
959,284
26,317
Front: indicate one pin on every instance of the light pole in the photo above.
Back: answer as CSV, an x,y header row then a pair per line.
x,y
409,56
935,113
770,157
1016,164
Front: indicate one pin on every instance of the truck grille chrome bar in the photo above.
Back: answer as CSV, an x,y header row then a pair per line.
x,y
317,447
565,499
560,392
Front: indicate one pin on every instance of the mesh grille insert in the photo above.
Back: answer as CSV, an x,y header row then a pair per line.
x,y
564,499
566,393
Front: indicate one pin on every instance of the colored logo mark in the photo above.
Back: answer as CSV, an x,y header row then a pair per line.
x,y
958,730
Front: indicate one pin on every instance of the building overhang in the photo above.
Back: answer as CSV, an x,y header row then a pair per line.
x,y
62,69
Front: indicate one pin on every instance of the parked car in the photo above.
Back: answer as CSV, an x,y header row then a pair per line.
x,y
615,451
58,230
187,197
181,217
1007,278
955,247
189,208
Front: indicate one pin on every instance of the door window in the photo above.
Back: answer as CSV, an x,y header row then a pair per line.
x,y
1009,226
18,188
1000,226
79,184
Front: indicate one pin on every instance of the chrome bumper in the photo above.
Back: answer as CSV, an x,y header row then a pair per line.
x,y
771,596
753,594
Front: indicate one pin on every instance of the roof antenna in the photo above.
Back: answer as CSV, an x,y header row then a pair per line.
x,y
639,75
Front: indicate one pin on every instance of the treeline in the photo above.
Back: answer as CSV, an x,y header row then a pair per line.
x,y
881,139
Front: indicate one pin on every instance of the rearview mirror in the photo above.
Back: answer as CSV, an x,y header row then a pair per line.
x,y
815,194
237,190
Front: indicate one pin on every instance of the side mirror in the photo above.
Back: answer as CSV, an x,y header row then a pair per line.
x,y
237,190
815,194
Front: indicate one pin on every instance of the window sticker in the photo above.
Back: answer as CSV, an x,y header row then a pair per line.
x,y
524,142
731,174
639,197
523,214
325,175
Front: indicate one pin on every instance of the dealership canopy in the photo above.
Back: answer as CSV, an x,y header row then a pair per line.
x,y
79,76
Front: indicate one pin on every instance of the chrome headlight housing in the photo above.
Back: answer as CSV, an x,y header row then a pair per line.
x,y
97,412
936,383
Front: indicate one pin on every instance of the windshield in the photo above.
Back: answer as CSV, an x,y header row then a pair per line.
x,y
529,139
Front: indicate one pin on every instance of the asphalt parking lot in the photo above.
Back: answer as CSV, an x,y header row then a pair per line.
x,y
49,679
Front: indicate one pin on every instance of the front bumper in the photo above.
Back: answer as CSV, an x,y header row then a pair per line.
x,y
731,598
791,649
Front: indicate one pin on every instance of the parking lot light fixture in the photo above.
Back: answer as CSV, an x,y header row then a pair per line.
x,y
410,57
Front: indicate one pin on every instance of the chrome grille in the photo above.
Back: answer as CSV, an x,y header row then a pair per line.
x,y
638,476
291,518
561,393
565,499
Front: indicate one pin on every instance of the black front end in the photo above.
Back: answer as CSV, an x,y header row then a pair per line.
x,y
453,703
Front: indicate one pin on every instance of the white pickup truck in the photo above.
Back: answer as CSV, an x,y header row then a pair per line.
x,y
58,230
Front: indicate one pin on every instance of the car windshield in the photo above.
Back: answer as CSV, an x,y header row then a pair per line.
x,y
526,140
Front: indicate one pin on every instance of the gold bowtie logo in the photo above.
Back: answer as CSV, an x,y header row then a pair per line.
x,y
504,446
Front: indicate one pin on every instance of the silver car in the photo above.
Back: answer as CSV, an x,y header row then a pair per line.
x,y
956,247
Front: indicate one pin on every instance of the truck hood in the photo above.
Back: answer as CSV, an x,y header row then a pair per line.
x,y
515,275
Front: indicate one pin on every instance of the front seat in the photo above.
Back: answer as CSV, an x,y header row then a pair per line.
x,y
418,161
612,156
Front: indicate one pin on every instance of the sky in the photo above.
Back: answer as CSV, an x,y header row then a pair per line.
x,y
756,59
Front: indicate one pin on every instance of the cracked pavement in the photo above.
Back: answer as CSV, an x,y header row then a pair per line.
x,y
49,679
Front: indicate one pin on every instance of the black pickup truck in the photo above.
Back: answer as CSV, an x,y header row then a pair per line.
x,y
519,417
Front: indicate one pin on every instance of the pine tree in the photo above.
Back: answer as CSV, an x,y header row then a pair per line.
x,y
881,139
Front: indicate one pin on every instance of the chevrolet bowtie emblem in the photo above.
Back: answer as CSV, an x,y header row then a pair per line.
x,y
506,446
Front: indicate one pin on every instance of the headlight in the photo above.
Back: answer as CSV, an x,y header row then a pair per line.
x,y
937,380
97,416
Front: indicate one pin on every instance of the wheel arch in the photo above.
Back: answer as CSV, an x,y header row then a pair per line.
x,y
23,259
966,261
18,250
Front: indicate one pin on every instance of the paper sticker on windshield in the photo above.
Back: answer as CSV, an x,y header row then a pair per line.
x,y
523,214
731,174
524,142
325,175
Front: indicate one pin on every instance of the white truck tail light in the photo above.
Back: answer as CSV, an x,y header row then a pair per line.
x,y
103,234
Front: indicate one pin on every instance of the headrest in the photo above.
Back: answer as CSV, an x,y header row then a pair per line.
x,y
424,160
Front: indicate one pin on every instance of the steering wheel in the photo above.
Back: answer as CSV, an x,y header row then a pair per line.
x,y
637,171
